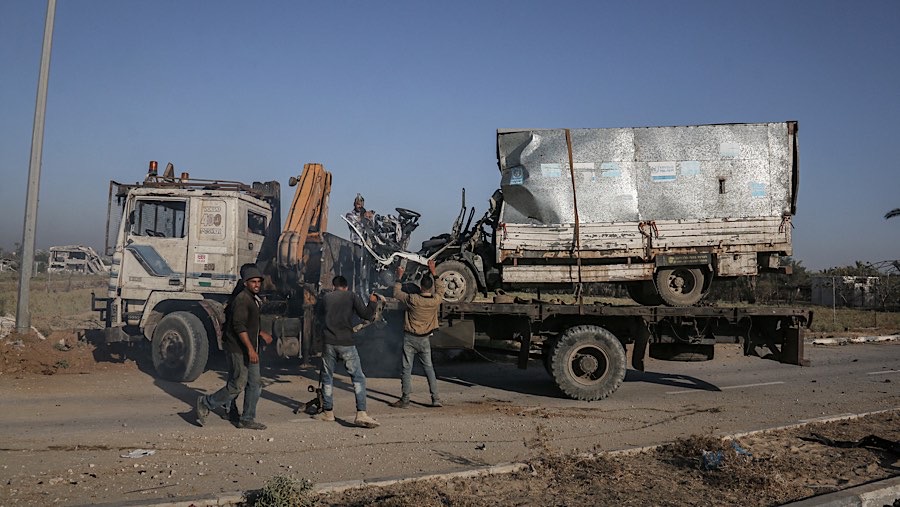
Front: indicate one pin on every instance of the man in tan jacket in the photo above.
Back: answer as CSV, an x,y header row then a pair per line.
x,y
419,323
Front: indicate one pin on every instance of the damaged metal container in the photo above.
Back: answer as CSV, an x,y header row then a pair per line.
x,y
663,208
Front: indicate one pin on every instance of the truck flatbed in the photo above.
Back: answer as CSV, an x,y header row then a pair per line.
x,y
583,345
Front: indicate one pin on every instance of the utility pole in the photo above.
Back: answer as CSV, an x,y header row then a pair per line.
x,y
26,266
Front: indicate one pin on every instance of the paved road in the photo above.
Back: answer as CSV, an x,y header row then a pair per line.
x,y
62,436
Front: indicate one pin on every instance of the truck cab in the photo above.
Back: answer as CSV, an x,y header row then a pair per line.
x,y
179,244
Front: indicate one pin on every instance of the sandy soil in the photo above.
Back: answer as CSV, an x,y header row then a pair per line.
x,y
62,352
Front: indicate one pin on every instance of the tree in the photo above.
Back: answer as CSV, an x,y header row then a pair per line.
x,y
860,269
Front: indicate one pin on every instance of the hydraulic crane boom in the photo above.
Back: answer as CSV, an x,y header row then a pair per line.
x,y
307,218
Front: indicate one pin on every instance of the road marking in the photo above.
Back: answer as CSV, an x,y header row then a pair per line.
x,y
883,372
727,387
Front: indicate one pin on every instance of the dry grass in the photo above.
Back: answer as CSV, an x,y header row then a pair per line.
x,y
845,319
62,302
781,468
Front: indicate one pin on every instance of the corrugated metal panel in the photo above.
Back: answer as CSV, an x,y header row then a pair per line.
x,y
649,173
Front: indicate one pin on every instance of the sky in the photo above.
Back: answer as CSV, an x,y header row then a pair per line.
x,y
401,100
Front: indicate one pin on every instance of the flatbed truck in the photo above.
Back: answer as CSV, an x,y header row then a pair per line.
x,y
583,346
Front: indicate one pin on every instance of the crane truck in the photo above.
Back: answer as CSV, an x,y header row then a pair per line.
x,y
177,244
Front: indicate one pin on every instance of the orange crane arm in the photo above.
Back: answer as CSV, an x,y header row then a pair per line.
x,y
307,218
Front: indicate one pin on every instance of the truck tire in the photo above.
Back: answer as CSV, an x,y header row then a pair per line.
x,y
680,286
180,347
686,352
547,354
459,282
588,363
644,293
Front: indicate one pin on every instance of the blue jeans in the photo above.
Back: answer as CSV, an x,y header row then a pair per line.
x,y
242,376
413,347
354,368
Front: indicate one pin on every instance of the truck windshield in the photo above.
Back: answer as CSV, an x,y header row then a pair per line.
x,y
161,219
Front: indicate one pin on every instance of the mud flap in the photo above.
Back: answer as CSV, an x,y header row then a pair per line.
x,y
117,334
454,334
792,350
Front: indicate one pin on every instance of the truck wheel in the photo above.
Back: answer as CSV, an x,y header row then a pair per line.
x,y
681,352
459,282
547,354
680,286
588,363
180,347
643,293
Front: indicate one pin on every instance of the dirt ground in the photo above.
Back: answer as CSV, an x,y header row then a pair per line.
x,y
62,352
762,469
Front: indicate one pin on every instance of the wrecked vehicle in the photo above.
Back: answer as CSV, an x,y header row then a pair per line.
x,y
385,239
663,210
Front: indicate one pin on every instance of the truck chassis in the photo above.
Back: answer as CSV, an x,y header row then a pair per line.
x,y
583,346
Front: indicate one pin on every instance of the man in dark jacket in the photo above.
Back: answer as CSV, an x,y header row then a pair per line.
x,y
339,307
241,341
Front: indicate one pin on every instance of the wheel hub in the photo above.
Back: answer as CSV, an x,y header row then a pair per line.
x,y
588,364
173,347
454,283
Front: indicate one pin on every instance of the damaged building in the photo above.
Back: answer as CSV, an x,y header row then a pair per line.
x,y
75,259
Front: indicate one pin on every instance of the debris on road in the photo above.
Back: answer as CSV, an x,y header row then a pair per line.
x,y
139,453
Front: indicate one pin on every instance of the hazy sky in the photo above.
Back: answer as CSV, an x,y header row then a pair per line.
x,y
401,100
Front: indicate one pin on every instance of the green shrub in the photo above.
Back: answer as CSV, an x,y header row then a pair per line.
x,y
281,491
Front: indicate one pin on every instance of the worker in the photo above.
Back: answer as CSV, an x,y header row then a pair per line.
x,y
241,341
364,221
361,218
419,323
338,308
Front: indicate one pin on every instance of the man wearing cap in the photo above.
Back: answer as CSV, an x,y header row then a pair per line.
x,y
241,341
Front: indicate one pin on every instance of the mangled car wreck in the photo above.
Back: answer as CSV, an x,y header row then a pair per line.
x,y
663,210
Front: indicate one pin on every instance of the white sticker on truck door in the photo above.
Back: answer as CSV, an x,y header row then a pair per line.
x,y
212,221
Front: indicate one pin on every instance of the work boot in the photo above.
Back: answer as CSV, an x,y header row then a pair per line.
x,y
364,421
325,415
251,425
201,410
436,403
401,403
232,414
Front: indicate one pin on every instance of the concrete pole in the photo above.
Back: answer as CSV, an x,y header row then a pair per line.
x,y
26,265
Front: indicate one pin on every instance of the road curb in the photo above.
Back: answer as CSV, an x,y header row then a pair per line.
x,y
876,493
872,494
504,468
